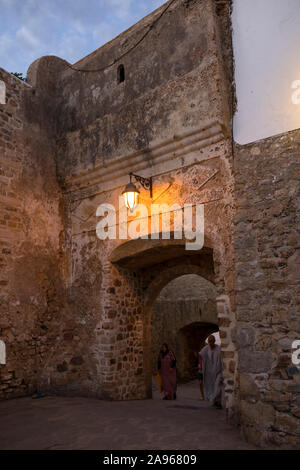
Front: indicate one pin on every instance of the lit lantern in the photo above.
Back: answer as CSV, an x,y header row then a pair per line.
x,y
131,193
131,196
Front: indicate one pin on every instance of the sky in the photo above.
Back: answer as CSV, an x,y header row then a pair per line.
x,y
69,29
267,68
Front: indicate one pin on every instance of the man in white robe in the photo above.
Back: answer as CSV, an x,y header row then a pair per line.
x,y
212,372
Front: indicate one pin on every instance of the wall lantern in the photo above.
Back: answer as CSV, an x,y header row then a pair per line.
x,y
131,193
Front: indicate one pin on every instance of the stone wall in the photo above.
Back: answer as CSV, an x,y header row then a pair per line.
x,y
268,287
31,295
168,88
75,314
169,118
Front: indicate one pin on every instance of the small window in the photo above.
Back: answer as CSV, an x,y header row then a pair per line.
x,y
121,73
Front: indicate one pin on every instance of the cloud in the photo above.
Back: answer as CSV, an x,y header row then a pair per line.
x,y
103,33
69,29
121,8
28,37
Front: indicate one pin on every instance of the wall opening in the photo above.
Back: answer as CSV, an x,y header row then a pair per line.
x,y
183,315
189,341
121,73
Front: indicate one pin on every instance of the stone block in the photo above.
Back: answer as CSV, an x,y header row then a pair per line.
x,y
77,360
279,385
232,366
260,414
245,337
293,370
287,423
255,362
278,397
62,367
224,322
248,388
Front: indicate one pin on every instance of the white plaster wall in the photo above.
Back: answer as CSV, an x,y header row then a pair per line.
x,y
266,44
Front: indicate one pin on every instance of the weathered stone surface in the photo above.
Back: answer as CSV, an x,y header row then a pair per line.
x,y
287,423
267,218
258,414
245,337
74,322
248,387
254,361
77,361
31,278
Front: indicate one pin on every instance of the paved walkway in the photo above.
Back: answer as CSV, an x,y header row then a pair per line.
x,y
84,423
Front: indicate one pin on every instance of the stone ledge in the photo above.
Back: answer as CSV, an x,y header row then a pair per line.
x,y
161,158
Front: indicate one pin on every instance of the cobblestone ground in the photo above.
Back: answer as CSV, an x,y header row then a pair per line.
x,y
83,423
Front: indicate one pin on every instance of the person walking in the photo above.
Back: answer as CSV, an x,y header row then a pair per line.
x,y
200,376
212,372
166,365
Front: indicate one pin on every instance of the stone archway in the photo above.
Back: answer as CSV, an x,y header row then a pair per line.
x,y
183,315
163,277
135,274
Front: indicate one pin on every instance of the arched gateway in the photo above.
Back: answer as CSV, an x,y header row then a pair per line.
x,y
146,267
172,126
76,309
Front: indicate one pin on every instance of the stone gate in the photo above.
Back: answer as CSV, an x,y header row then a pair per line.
x,y
76,310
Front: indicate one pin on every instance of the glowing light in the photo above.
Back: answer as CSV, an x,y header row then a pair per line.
x,y
131,195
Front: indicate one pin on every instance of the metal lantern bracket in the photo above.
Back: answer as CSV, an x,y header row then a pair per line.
x,y
146,183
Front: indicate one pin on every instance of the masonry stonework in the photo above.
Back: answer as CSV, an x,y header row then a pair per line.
x,y
31,299
167,114
267,286
76,310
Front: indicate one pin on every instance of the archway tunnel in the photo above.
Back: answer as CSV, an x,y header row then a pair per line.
x,y
189,341
174,290
183,316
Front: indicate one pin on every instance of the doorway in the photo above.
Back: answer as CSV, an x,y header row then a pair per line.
x,y
183,315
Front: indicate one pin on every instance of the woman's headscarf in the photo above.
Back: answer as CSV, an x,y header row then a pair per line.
x,y
166,351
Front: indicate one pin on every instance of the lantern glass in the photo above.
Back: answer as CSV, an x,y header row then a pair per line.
x,y
131,199
131,195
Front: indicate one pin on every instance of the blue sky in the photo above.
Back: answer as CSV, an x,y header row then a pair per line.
x,y
69,29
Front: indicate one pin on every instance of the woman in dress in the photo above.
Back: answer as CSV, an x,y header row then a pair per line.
x,y
166,365
200,375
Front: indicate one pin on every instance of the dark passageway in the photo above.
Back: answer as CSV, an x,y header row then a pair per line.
x,y
184,314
